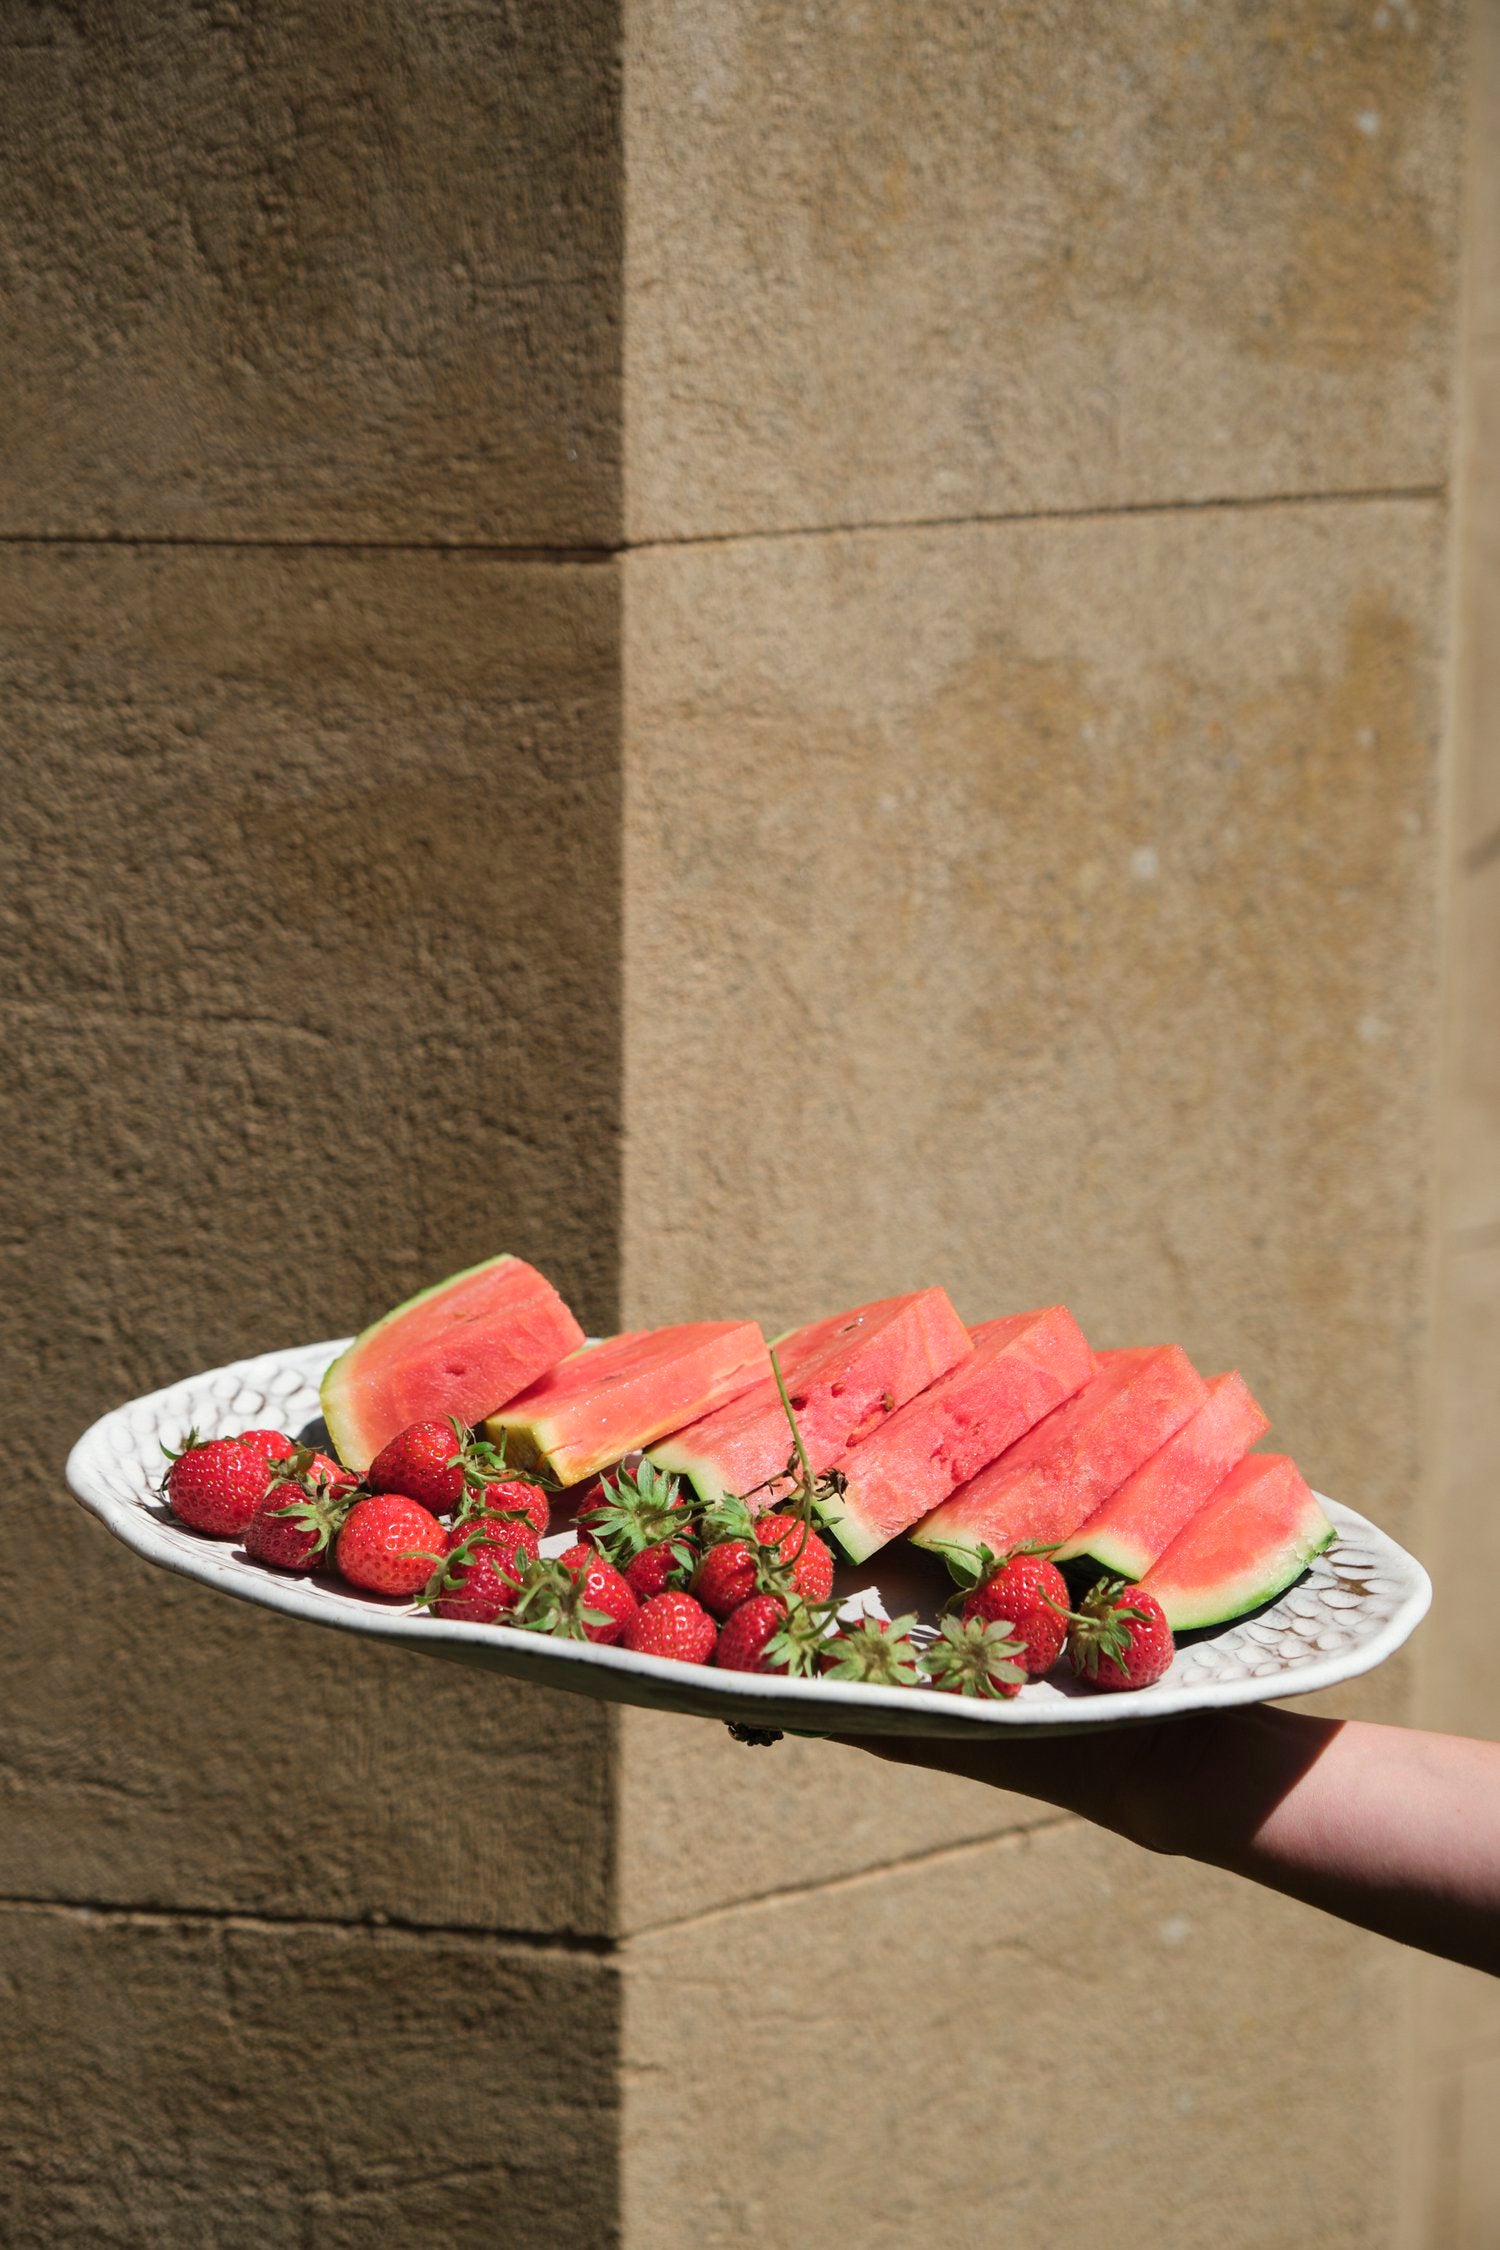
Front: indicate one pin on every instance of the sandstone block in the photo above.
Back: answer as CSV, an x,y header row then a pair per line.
x,y
910,2054
313,273
311,879
176,2083
888,264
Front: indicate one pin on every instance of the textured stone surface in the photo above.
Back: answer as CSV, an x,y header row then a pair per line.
x,y
1474,1137
1454,2069
247,2085
782,1818
310,900
1048,911
911,2053
889,263
320,270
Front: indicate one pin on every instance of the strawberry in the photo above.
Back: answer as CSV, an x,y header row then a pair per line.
x,y
873,1649
308,1499
479,1577
603,1589
272,1445
578,1596
673,1624
426,1462
800,1549
732,1570
975,1656
1119,1638
510,1499
748,1631
304,1467
654,1569
216,1485
1029,1594
389,1544
448,1470
775,1633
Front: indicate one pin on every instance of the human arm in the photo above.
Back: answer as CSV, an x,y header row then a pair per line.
x,y
1388,1827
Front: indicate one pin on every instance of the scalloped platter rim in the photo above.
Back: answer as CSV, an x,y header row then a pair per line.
x,y
1360,1601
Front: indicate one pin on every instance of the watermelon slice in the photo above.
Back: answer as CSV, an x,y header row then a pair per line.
x,y
1061,1471
844,1376
1260,1530
1140,1521
1019,1370
462,1347
611,1398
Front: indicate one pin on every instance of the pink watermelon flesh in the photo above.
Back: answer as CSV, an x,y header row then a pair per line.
x,y
845,1376
1061,1471
1140,1521
1020,1369
1257,1534
461,1348
611,1398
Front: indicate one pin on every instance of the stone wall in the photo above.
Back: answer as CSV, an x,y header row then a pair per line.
x,y
1455,2107
1034,706
767,653
313,900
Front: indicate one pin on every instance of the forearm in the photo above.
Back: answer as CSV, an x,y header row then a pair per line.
x,y
1385,1826
1390,1828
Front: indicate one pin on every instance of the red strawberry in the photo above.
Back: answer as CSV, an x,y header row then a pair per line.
x,y
425,1461
307,1471
388,1544
576,1596
800,1548
284,1536
217,1486
1030,1595
1120,1637
338,1478
654,1569
603,1589
975,1656
799,1563
673,1624
272,1445
480,1575
308,1499
511,1497
748,1632
725,1579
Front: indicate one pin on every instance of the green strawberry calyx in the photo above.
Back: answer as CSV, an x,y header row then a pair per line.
x,y
869,1649
977,1657
641,1508
483,1465
797,1645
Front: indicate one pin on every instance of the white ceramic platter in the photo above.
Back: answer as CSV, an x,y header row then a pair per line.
x,y
1354,1608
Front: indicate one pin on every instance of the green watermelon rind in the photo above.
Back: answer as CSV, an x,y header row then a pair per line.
x,y
957,1544
858,1538
697,1469
329,1390
1253,1587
